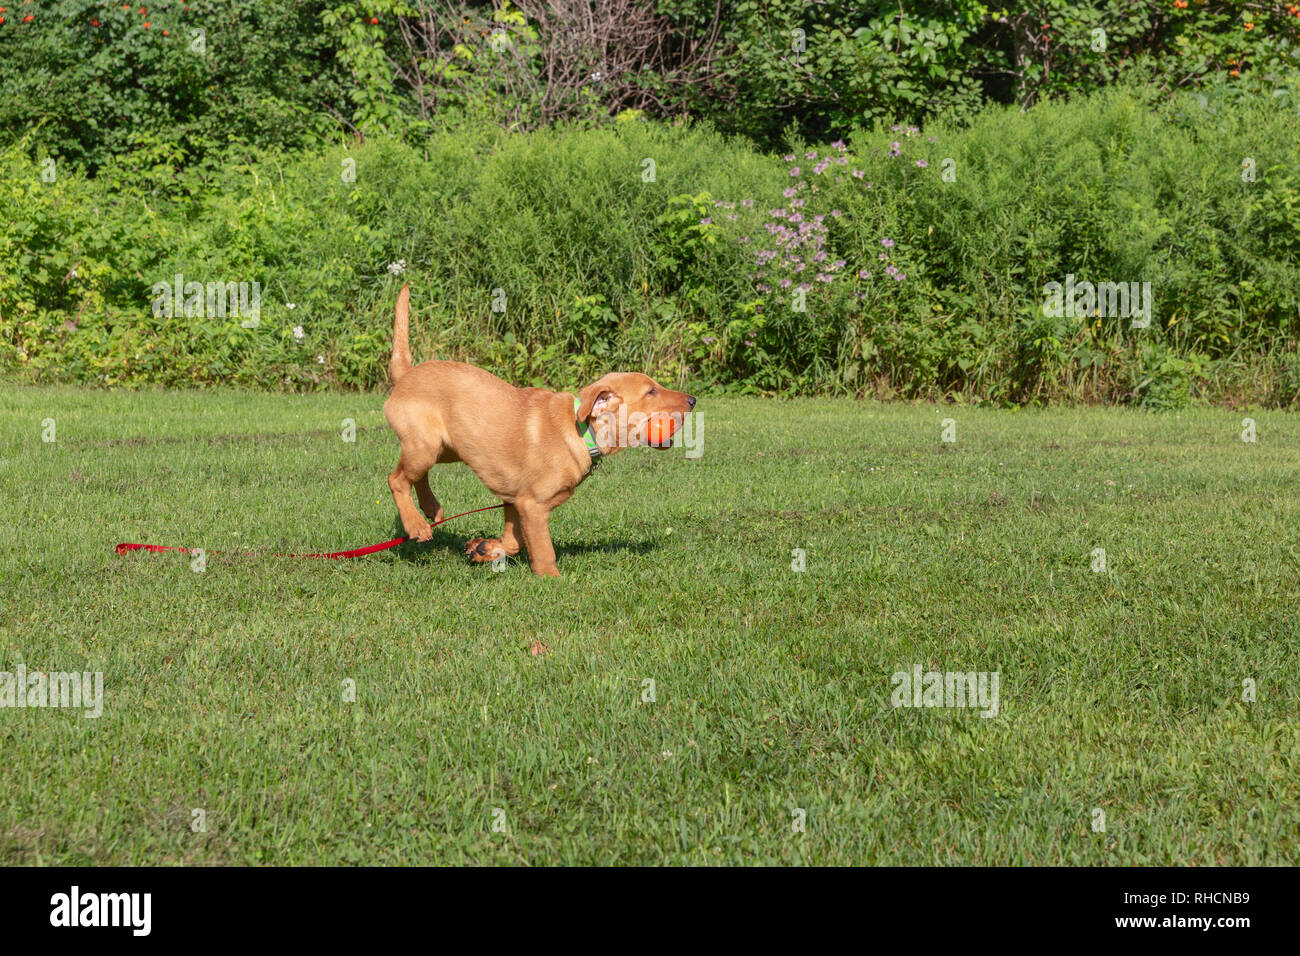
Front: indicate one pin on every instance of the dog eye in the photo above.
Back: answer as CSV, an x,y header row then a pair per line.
x,y
653,391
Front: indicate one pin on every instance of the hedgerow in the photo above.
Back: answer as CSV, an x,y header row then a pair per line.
x,y
900,261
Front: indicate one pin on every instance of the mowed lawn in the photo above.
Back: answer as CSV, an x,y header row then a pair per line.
x,y
225,689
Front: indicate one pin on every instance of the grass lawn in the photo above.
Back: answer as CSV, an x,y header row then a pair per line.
x,y
224,689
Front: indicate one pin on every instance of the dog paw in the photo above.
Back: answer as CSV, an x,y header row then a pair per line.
x,y
419,532
484,550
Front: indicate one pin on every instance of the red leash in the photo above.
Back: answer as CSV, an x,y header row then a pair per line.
x,y
335,555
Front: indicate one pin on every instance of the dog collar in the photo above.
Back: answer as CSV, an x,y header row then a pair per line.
x,y
587,437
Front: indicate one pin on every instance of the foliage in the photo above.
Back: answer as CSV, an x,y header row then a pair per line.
x,y
94,81
897,262
173,84
823,68
826,67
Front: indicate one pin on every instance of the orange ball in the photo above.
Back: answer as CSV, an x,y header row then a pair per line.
x,y
660,428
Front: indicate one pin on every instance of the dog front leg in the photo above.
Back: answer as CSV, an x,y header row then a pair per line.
x,y
482,550
536,523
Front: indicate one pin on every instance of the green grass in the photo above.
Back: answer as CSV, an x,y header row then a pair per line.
x,y
1120,691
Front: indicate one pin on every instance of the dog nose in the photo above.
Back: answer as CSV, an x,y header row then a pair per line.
x,y
690,400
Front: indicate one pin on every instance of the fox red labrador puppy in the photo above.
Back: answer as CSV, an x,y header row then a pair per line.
x,y
529,446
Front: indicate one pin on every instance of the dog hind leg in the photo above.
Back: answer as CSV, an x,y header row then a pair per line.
x,y
428,503
412,470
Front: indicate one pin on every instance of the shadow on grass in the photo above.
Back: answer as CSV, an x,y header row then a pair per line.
x,y
444,542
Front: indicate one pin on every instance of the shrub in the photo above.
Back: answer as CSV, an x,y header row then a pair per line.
x,y
901,262
90,81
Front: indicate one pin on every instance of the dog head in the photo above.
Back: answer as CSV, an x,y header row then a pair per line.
x,y
618,406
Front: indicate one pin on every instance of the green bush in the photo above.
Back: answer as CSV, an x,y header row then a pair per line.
x,y
917,265
823,68
92,82
1109,190
170,85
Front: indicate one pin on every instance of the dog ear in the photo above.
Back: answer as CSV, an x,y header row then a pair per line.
x,y
596,399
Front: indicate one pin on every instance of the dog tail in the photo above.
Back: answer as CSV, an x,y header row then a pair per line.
x,y
400,363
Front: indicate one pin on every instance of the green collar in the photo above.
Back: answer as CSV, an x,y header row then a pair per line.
x,y
585,431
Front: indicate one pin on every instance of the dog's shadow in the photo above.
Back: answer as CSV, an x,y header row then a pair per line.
x,y
423,552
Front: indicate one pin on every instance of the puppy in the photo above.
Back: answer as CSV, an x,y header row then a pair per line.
x,y
529,446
